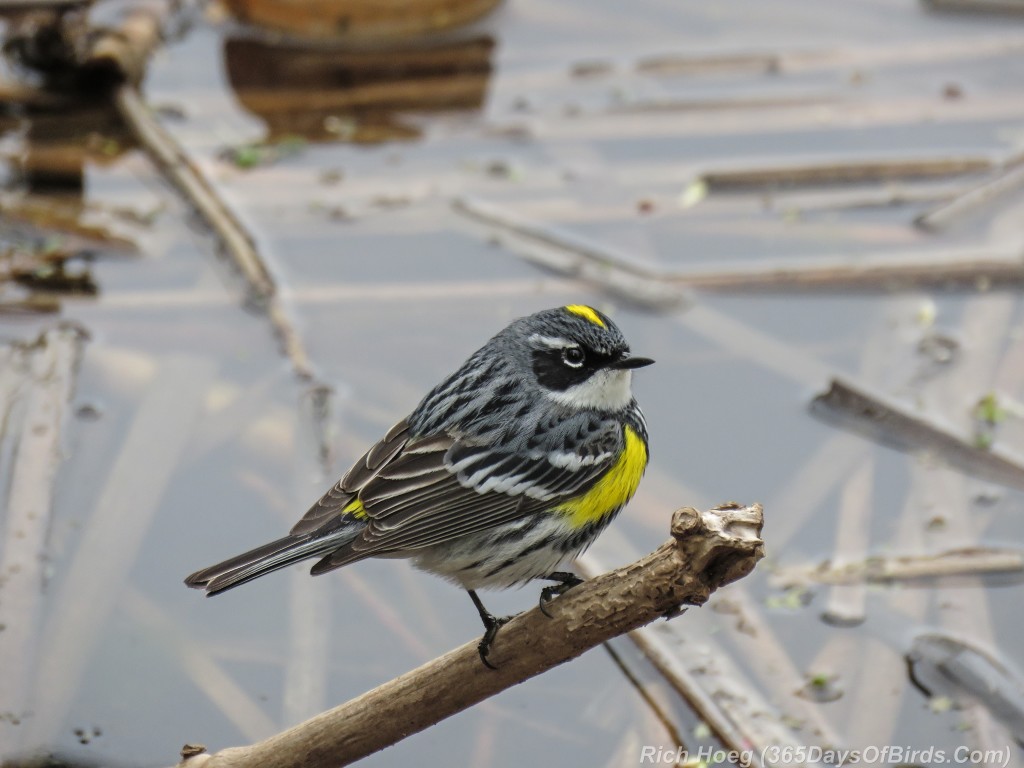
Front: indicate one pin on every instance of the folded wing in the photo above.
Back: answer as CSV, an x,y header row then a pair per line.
x,y
416,492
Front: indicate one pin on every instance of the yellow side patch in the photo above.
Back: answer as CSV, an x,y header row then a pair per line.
x,y
355,508
586,312
614,489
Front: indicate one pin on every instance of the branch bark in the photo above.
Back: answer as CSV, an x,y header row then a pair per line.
x,y
707,550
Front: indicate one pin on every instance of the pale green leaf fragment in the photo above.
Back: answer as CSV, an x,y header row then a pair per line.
x,y
693,194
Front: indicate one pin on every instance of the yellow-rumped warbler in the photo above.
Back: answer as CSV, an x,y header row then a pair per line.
x,y
512,465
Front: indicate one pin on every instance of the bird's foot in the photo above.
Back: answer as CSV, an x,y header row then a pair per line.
x,y
566,581
492,624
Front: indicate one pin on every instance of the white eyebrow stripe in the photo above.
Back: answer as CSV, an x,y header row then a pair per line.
x,y
552,342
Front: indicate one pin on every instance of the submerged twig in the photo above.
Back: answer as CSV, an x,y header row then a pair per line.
x,y
1008,180
236,241
175,163
119,56
569,254
885,569
309,602
729,717
941,665
894,424
843,171
876,272
149,455
19,6
707,550
704,674
41,376
856,197
874,703
32,305
846,605
978,6
655,706
666,104
772,662
47,216
987,322
678,64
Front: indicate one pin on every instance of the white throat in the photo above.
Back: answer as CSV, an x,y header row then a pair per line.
x,y
606,390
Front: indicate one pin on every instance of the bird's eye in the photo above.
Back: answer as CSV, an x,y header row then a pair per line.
x,y
573,357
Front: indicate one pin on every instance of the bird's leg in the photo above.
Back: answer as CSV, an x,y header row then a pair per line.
x,y
492,624
566,581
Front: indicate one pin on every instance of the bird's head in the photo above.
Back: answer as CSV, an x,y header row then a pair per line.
x,y
579,357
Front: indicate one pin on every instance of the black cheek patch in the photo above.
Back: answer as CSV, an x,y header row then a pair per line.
x,y
552,373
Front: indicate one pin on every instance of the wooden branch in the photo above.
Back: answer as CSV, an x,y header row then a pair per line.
x,y
707,550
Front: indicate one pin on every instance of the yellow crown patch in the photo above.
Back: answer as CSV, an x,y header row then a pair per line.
x,y
586,312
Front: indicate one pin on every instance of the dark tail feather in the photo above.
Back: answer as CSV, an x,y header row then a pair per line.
x,y
262,560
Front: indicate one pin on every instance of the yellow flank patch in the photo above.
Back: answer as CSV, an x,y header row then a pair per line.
x,y
355,508
614,489
586,312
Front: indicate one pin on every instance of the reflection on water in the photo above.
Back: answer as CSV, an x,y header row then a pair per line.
x,y
55,761
47,243
56,145
325,94
188,444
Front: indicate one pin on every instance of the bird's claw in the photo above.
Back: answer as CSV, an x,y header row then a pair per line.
x,y
493,624
566,581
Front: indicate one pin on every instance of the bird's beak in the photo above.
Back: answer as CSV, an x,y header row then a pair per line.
x,y
629,363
